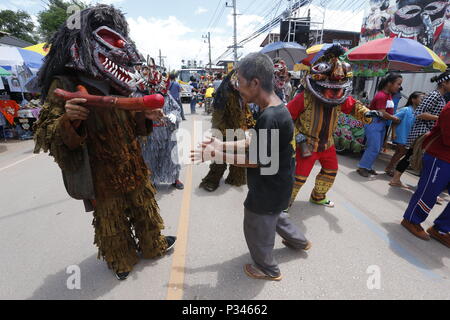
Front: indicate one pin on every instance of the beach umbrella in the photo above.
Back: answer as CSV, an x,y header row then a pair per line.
x,y
11,57
290,52
4,73
39,48
377,57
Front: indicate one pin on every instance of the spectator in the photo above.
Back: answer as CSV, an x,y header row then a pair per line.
x,y
267,195
175,89
218,81
209,95
434,179
426,115
401,131
375,132
195,91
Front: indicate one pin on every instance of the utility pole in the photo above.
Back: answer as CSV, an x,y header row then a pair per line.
x,y
290,22
161,58
209,45
234,46
323,3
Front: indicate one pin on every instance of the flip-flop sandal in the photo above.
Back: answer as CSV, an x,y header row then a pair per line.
x,y
253,272
324,202
306,248
399,185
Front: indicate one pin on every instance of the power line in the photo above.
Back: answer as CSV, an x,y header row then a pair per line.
x,y
212,17
356,4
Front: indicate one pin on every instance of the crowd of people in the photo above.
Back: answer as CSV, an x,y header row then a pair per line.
x,y
203,91
111,156
419,128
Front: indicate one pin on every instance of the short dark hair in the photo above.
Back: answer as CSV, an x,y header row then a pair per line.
x,y
172,76
258,66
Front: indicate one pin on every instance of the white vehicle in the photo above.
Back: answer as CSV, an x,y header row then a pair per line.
x,y
184,77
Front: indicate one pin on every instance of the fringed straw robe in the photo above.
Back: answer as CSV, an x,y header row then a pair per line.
x,y
126,215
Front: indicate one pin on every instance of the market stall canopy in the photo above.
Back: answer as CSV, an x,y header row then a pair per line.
x,y
4,73
290,52
377,57
39,48
12,56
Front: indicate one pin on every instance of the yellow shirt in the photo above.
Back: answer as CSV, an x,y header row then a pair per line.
x,y
209,93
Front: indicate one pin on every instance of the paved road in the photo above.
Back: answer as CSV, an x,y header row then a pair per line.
x,y
43,233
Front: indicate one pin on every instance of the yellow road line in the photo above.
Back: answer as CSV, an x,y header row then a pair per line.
x,y
176,282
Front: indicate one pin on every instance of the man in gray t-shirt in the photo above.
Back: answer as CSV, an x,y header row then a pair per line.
x,y
268,192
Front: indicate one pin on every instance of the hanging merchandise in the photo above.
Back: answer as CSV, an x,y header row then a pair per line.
x,y
9,109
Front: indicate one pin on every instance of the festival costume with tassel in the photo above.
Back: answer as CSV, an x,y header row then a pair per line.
x,y
228,114
315,112
101,157
160,149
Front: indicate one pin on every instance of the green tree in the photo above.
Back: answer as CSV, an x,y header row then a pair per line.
x,y
19,25
55,15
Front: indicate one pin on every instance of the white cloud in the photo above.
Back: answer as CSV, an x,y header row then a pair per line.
x,y
178,41
170,35
201,10
24,3
345,20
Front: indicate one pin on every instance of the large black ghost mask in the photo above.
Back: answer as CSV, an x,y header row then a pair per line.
x,y
99,49
421,20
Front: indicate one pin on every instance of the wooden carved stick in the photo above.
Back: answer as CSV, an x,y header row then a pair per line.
x,y
154,101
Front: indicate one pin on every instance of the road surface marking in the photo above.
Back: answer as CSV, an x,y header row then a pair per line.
x,y
17,162
176,282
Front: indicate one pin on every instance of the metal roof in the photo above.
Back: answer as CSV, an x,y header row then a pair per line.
x,y
14,42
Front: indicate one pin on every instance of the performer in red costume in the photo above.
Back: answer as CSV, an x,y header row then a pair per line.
x,y
315,112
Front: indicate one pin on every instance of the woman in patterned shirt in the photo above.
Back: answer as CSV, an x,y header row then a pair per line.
x,y
426,115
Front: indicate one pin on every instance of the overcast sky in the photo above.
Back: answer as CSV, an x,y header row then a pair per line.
x,y
176,26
